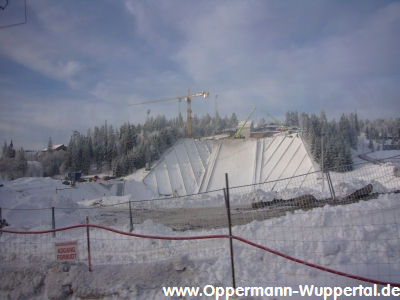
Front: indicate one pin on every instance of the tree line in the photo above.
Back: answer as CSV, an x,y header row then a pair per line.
x,y
330,142
129,147
132,146
13,163
380,130
118,150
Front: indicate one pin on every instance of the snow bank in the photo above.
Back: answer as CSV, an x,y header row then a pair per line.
x,y
361,239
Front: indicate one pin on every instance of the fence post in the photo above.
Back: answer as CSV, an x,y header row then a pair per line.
x,y
331,189
130,216
1,221
53,221
88,244
228,209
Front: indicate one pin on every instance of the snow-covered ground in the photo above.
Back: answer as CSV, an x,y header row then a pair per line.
x,y
364,150
361,238
387,154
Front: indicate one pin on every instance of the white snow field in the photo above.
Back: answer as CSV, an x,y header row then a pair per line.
x,y
362,238
193,166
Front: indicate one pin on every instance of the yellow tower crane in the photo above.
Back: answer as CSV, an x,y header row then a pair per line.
x,y
188,100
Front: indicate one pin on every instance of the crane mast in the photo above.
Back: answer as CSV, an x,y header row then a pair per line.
x,y
189,115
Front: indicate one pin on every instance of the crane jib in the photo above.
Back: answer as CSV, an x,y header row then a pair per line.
x,y
188,101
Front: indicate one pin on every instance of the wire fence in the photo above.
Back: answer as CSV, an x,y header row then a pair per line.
x,y
284,216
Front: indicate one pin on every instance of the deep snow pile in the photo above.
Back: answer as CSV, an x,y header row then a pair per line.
x,y
361,239
26,202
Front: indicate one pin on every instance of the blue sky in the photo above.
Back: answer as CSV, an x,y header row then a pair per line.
x,y
76,64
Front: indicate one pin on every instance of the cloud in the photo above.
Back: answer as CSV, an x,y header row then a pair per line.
x,y
84,63
256,51
39,54
37,57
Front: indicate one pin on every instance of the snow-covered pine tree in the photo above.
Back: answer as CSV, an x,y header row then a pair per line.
x,y
4,150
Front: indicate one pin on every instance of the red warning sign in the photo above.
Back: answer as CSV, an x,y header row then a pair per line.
x,y
67,251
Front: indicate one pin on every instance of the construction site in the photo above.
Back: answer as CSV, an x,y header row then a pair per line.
x,y
288,221
193,166
249,156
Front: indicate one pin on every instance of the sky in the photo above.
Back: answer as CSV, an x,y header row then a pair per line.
x,y
75,64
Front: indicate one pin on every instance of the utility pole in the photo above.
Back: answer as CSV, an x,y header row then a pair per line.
x,y
322,153
189,115
216,105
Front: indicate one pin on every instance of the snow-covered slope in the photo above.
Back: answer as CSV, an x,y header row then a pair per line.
x,y
193,166
181,168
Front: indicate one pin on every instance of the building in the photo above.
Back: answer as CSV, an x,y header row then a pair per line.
x,y
56,148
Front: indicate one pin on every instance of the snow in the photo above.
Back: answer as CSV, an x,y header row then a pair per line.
x,y
234,157
360,238
335,237
190,166
137,190
363,150
137,176
384,154
181,169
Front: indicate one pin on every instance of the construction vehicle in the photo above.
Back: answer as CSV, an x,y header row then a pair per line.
x,y
238,133
188,100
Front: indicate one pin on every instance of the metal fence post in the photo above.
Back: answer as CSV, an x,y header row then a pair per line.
x,y
331,189
130,216
1,221
228,209
88,244
53,221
